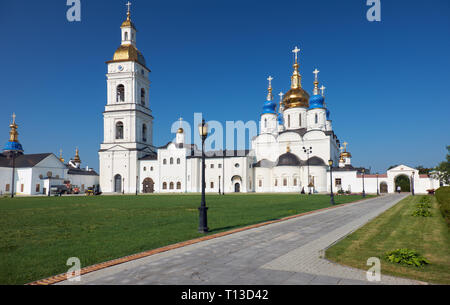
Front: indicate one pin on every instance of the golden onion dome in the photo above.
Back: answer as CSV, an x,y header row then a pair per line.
x,y
180,130
296,98
128,23
128,52
346,154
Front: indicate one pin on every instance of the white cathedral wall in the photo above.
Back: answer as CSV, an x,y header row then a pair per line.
x,y
295,118
172,173
321,119
269,124
265,147
280,173
5,178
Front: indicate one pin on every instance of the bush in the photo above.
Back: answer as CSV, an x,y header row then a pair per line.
x,y
443,198
421,212
423,206
406,257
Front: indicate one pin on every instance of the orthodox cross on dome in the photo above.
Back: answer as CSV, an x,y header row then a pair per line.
x,y
14,118
295,51
270,79
128,5
316,73
345,145
342,149
181,121
281,96
269,94
323,90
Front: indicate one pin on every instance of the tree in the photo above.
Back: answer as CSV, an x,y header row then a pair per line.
x,y
424,170
392,166
443,169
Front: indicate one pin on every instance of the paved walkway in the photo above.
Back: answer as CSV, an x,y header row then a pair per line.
x,y
287,253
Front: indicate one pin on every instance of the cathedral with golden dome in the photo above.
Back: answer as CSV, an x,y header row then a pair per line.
x,y
293,151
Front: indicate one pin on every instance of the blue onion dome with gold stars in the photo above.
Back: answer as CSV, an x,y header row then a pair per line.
x,y
13,144
269,106
317,100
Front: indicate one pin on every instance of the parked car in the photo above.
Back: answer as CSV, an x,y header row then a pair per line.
x,y
58,190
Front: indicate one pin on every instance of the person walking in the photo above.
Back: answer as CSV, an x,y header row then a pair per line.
x,y
399,189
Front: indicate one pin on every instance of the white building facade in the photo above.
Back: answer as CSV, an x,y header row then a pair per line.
x,y
291,152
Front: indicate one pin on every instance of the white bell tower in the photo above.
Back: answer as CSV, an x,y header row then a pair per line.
x,y
128,120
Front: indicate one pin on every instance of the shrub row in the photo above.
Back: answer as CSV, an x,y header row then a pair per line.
x,y
443,197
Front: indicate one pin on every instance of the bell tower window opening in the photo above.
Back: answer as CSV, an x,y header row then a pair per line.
x,y
144,133
121,93
126,36
143,97
119,131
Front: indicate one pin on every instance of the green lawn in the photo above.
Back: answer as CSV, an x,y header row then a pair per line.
x,y
38,235
395,229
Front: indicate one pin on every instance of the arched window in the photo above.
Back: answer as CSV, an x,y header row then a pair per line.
x,y
212,184
120,93
144,133
164,185
178,185
300,119
171,186
295,181
171,160
126,36
289,121
276,182
143,97
316,118
265,123
260,183
119,130
165,161
284,182
178,161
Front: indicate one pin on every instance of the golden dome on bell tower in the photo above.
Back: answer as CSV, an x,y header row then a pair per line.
x,y
296,96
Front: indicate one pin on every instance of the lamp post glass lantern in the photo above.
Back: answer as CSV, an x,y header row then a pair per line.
x,y
203,217
330,163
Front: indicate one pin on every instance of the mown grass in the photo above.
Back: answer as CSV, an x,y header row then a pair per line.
x,y
38,235
394,229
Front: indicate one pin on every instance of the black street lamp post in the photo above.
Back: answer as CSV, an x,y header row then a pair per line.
x,y
123,186
13,154
412,183
203,221
137,184
308,151
378,190
364,191
330,163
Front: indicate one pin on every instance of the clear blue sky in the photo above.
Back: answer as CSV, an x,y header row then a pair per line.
x,y
388,82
